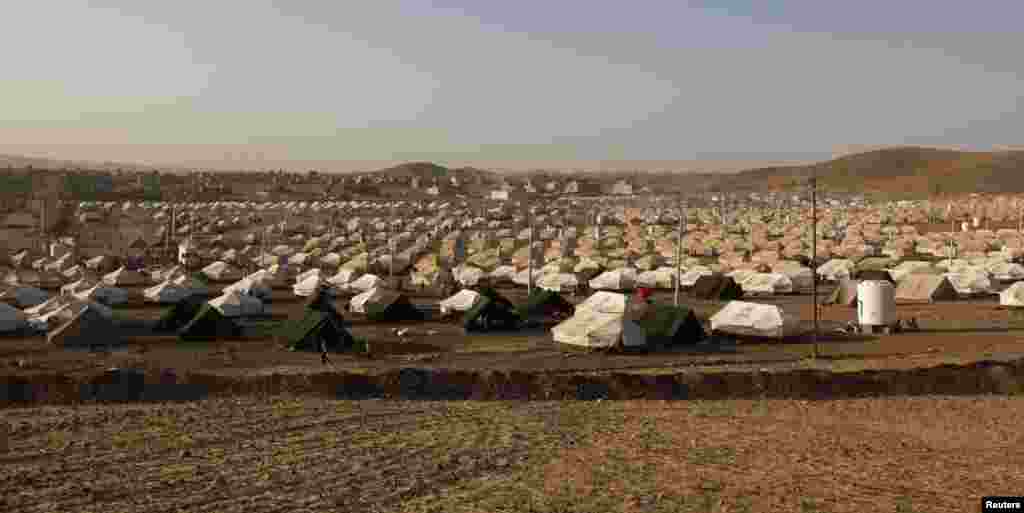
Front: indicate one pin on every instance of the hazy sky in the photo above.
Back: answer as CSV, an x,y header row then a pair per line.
x,y
490,80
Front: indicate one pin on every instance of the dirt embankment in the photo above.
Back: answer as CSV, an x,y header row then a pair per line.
x,y
412,383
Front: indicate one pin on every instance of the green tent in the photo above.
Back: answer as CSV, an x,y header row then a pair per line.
x,y
667,325
323,301
392,306
716,287
491,311
316,327
179,314
547,305
209,323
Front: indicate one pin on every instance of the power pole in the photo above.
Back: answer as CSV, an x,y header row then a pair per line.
x,y
679,250
814,258
529,255
391,245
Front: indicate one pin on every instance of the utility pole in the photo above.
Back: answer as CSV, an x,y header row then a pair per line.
x,y
814,257
529,255
679,251
391,245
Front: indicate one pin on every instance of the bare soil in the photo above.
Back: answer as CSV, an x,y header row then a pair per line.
x,y
282,453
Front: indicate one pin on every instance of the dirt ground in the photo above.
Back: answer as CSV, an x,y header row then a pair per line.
x,y
264,454
953,332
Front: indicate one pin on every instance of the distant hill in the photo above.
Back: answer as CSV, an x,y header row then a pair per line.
x,y
909,170
427,171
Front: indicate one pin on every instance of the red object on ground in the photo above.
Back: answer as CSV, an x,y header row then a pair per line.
x,y
643,293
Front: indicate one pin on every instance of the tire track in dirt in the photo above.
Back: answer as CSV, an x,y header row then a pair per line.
x,y
152,465
316,450
253,425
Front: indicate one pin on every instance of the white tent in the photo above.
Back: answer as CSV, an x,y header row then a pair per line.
x,y
660,278
468,275
523,277
689,278
236,304
222,271
77,286
299,278
375,295
1005,271
599,323
344,277
462,301
766,284
970,283
1013,295
503,273
604,301
366,283
754,319
558,281
11,319
312,284
618,279
801,278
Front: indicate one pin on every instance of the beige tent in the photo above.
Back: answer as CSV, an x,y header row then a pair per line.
x,y
754,319
925,288
600,323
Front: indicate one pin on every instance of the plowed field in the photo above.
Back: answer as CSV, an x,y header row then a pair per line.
x,y
283,453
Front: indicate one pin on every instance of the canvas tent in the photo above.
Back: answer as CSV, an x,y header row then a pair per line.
x,y
618,279
716,287
1013,296
744,318
379,304
766,284
320,326
222,271
88,327
209,323
111,296
166,293
600,323
236,304
925,288
546,306
490,312
122,277
177,316
461,302
667,325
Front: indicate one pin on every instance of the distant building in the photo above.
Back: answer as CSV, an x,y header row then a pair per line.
x,y
499,195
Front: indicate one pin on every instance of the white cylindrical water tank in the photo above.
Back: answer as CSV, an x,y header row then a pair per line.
x,y
964,226
977,222
876,303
